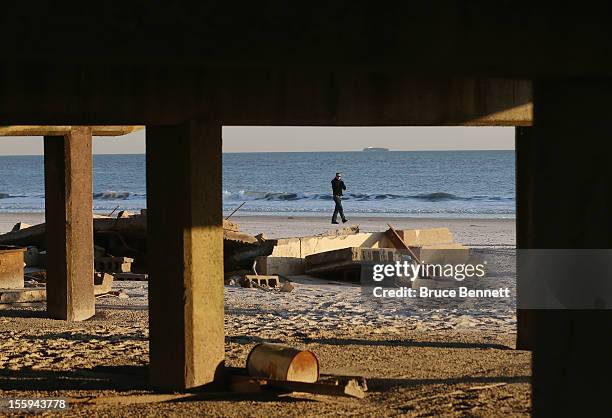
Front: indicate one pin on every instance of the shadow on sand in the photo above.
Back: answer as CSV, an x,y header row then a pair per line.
x,y
405,343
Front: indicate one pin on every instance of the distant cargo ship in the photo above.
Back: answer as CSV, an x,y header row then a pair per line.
x,y
375,149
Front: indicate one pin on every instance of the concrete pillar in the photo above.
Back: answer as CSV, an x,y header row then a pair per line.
x,y
185,250
570,207
69,230
525,170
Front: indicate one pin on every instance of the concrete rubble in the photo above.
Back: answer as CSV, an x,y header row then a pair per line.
x,y
249,261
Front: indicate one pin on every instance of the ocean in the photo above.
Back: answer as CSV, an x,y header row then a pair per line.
x,y
400,183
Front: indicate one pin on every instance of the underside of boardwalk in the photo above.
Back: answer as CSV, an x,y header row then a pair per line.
x,y
184,73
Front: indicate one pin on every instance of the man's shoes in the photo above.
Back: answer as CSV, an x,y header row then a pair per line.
x,y
335,222
344,221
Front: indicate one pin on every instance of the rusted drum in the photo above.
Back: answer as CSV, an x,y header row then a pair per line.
x,y
11,267
279,362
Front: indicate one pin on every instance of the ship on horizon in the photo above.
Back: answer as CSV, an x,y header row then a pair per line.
x,y
370,149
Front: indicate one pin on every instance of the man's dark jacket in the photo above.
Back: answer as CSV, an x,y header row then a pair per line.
x,y
337,186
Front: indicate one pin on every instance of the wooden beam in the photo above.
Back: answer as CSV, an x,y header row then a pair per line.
x,y
56,130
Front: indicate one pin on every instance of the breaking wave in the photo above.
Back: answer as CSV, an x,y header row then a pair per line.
x,y
116,195
10,196
290,196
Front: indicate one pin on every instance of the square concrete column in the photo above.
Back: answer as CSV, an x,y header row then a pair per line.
x,y
570,207
69,229
525,168
185,254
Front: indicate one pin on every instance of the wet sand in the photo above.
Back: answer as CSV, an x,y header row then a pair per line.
x,y
425,362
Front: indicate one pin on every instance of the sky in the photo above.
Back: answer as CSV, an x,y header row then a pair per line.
x,y
300,139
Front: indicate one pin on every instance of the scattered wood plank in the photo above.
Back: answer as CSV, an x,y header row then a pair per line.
x,y
350,386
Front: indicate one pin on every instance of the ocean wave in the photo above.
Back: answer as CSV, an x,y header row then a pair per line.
x,y
293,196
10,196
110,195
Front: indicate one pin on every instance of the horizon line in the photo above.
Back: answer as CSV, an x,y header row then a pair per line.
x,y
283,152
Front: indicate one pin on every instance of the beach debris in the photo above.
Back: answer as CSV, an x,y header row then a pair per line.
x,y
19,226
141,277
235,210
113,211
430,245
125,214
33,257
346,263
347,386
23,295
230,226
285,369
114,264
286,287
102,283
255,280
31,236
244,255
126,236
281,362
36,274
398,241
11,267
117,293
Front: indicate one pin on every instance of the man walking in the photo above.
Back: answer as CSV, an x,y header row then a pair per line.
x,y
337,188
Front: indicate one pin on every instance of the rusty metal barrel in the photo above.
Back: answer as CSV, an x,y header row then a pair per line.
x,y
279,362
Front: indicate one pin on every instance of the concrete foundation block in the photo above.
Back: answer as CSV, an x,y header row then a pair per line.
x,y
11,267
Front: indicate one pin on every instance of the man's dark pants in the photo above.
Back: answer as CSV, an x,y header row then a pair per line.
x,y
338,209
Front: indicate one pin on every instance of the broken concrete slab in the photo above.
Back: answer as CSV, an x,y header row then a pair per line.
x,y
231,226
427,236
282,266
288,254
346,262
349,230
102,283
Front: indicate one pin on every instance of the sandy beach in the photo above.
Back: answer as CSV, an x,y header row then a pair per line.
x,y
417,361
469,231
